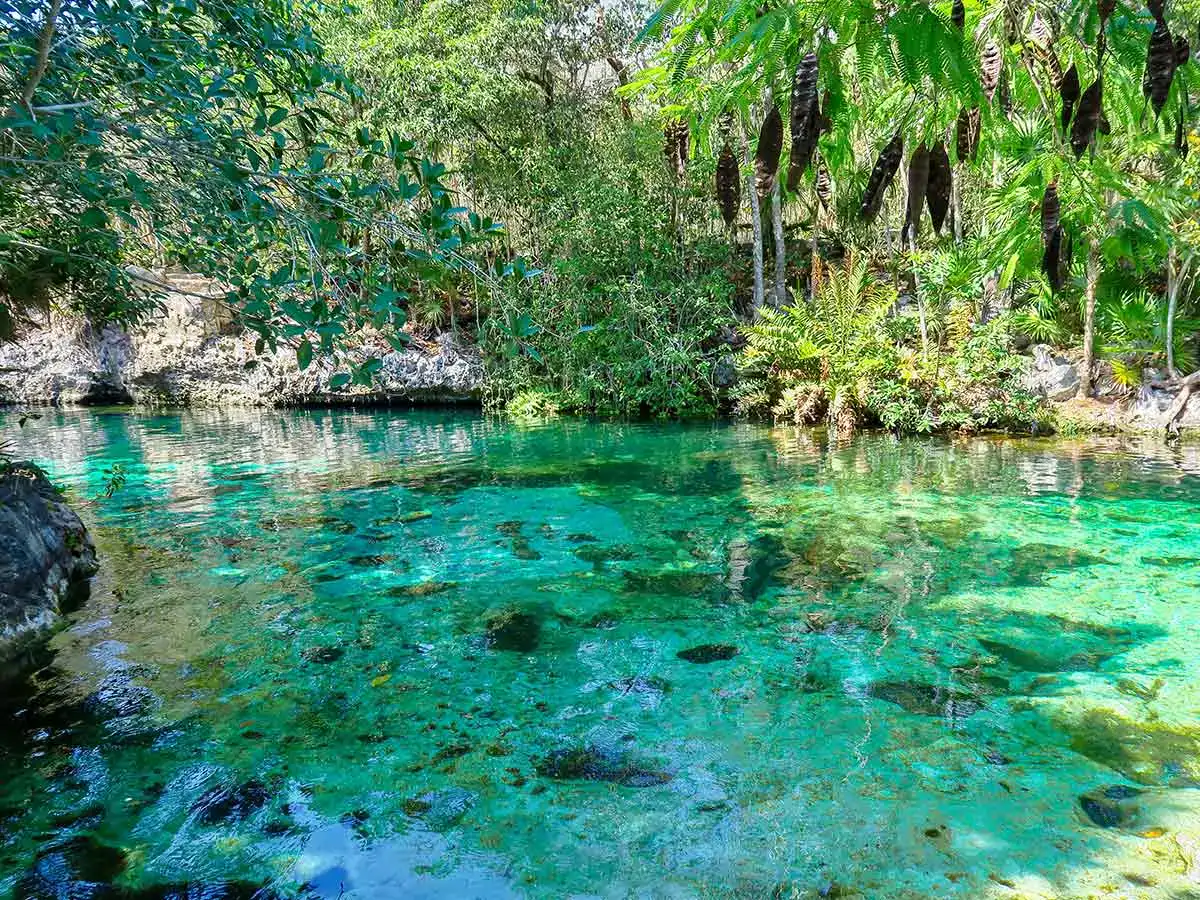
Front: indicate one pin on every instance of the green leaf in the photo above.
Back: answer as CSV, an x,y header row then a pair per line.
x,y
304,354
1010,269
93,217
339,381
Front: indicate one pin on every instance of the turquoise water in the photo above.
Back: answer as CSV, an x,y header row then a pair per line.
x,y
429,655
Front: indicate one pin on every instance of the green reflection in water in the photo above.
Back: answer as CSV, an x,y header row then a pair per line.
x,y
406,655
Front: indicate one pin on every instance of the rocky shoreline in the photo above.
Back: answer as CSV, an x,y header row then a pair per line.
x,y
192,354
46,559
1054,375
189,354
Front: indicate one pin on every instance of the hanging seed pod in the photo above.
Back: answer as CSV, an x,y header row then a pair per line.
x,y
1052,236
1051,210
937,196
1068,90
766,156
1087,118
1104,128
962,136
1049,60
804,92
729,184
821,114
958,15
1040,31
1105,9
804,119
1157,9
824,186
1160,66
973,126
1183,50
918,187
882,174
989,71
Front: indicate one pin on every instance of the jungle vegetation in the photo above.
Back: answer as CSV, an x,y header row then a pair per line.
x,y
855,211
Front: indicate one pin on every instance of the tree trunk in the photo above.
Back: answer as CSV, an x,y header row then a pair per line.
x,y
814,259
1089,320
756,222
780,246
45,40
1173,280
956,204
912,243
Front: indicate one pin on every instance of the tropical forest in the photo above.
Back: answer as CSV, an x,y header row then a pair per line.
x,y
599,449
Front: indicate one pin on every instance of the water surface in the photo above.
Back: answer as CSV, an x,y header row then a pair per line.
x,y
429,655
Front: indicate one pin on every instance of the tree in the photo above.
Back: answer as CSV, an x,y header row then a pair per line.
x,y
210,133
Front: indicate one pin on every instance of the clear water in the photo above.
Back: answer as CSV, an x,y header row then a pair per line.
x,y
419,655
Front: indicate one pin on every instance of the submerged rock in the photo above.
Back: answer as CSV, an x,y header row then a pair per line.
x,y
594,763
1030,563
322,654
514,630
1150,753
708,653
231,804
926,699
83,868
76,868
1110,807
46,557
641,684
598,554
421,589
1030,660
703,585
440,809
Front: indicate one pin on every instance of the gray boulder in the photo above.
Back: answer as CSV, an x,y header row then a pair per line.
x,y
1050,375
46,556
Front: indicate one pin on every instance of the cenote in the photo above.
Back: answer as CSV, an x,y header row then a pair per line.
x,y
425,654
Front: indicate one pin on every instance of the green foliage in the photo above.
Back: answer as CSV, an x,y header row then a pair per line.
x,y
843,359
211,134
533,404
115,478
1133,334
627,319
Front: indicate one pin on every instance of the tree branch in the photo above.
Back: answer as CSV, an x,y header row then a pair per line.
x,y
43,55
1175,413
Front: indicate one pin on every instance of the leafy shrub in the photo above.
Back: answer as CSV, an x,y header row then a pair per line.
x,y
849,360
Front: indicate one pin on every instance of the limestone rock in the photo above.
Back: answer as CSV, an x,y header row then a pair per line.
x,y
192,354
45,555
1051,375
